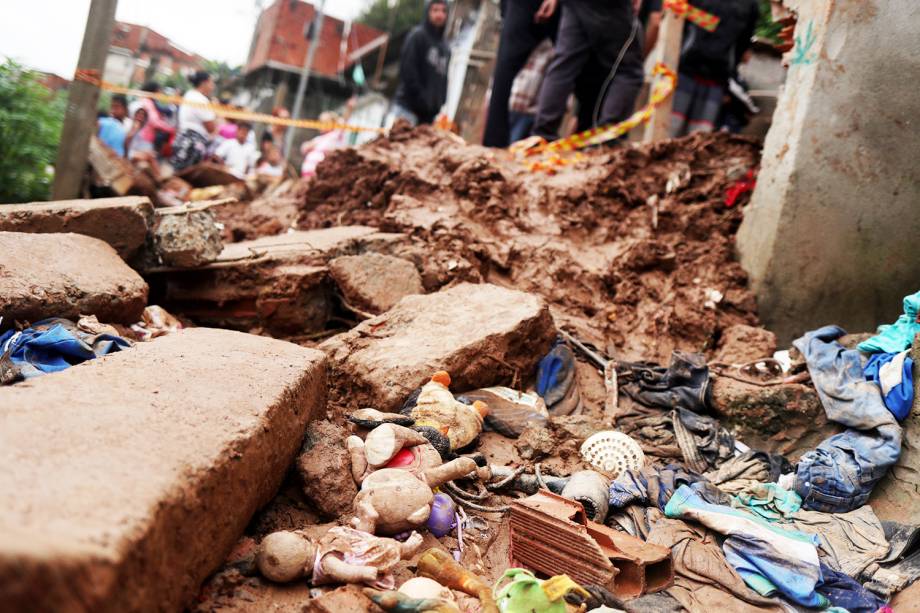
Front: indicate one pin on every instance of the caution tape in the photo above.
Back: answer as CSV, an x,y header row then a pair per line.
x,y
91,77
703,19
662,90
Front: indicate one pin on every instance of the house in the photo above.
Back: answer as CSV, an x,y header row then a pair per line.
x,y
53,82
279,50
138,54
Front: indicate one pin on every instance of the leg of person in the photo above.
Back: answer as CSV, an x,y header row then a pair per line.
x,y
587,90
705,109
398,111
521,124
622,56
682,105
573,51
519,37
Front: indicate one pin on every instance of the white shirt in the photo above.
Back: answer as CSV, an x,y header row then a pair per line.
x,y
239,158
192,117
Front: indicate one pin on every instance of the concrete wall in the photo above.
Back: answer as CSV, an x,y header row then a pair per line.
x,y
831,233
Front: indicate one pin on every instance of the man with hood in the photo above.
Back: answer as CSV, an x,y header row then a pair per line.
x,y
422,88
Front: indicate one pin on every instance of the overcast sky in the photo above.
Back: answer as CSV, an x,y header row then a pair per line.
x,y
46,34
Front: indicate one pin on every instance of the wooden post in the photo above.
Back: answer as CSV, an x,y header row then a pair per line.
x,y
80,116
670,37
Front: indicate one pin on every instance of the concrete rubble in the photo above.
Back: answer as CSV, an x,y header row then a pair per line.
x,y
129,478
375,282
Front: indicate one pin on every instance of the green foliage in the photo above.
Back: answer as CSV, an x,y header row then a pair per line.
x,y
767,29
405,15
225,76
30,129
177,81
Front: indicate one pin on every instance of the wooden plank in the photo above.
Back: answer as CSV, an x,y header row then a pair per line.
x,y
667,51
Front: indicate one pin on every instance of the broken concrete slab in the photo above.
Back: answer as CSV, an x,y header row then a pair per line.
x,y
374,282
128,479
481,334
188,239
120,222
741,344
66,275
279,283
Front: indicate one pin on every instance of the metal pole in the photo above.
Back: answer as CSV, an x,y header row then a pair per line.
x,y
80,115
305,76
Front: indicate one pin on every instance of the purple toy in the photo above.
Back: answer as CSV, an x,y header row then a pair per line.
x,y
443,515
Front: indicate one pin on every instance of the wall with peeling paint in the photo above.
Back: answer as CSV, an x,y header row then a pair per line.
x,y
833,230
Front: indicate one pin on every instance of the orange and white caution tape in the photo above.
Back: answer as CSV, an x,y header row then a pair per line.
x,y
90,76
703,19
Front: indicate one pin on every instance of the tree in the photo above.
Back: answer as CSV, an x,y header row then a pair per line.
x,y
406,14
225,76
31,118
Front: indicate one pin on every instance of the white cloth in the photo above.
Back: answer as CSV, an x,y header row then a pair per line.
x,y
239,158
891,373
192,117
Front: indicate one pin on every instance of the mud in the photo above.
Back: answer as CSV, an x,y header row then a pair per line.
x,y
632,246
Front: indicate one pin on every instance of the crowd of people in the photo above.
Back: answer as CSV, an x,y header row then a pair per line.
x,y
586,60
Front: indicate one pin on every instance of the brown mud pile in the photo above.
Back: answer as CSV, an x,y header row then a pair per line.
x,y
632,246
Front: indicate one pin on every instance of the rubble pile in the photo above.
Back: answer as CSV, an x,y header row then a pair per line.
x,y
503,391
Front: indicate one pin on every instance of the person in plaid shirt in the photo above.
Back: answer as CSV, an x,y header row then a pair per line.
x,y
522,109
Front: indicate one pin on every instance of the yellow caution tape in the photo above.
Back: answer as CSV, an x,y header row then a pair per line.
x,y
662,90
90,76
703,19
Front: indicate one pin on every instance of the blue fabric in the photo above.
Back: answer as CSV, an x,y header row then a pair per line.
x,y
770,560
845,592
54,345
900,335
112,133
554,373
652,486
838,476
900,398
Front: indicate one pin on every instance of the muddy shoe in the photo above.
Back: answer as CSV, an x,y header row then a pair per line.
x,y
685,384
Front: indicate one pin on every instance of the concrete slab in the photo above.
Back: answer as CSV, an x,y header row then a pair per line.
x,y
128,479
66,275
374,282
120,222
481,334
280,283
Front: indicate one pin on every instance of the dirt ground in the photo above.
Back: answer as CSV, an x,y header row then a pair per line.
x,y
633,248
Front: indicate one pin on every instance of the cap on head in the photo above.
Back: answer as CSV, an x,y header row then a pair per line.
x,y
441,377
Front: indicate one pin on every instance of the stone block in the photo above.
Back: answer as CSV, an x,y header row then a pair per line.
x,y
373,282
128,479
66,275
741,344
481,334
120,222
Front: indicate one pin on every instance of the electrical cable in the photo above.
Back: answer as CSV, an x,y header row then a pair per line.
x,y
613,71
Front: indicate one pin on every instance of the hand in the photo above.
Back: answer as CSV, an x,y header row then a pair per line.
x,y
546,11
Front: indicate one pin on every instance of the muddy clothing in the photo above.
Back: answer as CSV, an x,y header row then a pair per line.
x,y
600,32
423,71
715,55
519,37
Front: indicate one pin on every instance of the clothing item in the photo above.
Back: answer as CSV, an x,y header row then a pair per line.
x,y
848,542
112,133
316,150
684,384
238,157
703,579
361,549
605,32
556,374
714,55
769,559
191,148
49,346
900,335
646,9
526,88
139,147
520,35
397,111
844,592
768,501
155,125
839,475
740,473
697,104
521,125
703,442
654,487
894,374
193,118
423,71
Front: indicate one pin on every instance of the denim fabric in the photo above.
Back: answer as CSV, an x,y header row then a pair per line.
x,y
652,486
900,335
769,559
894,374
846,593
839,475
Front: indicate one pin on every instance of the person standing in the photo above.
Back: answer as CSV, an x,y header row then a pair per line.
x,y
522,109
237,154
423,65
111,125
196,124
606,34
525,24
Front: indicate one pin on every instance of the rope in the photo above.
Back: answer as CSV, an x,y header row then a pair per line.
x,y
92,77
707,21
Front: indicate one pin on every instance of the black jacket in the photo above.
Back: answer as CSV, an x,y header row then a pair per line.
x,y
715,55
423,71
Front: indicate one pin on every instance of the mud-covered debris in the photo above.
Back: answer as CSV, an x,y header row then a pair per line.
x,y
188,239
323,468
741,344
373,282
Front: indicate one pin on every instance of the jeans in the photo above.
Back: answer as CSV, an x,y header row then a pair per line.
x,y
521,124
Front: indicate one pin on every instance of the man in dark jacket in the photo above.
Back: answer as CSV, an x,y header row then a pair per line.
x,y
422,88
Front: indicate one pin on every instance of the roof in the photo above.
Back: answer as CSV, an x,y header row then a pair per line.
x,y
137,38
279,40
